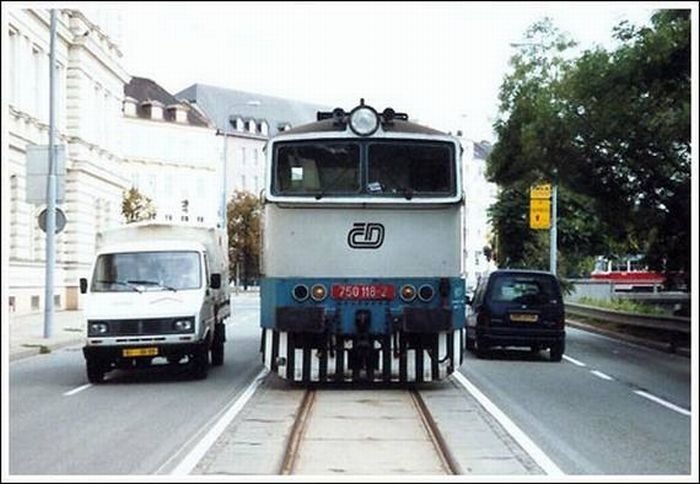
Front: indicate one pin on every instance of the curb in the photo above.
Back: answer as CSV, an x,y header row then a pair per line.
x,y
665,347
37,350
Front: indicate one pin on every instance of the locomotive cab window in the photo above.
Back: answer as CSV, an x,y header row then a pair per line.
x,y
408,169
317,169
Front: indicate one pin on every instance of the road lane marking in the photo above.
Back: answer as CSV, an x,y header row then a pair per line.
x,y
663,402
532,449
192,459
76,390
602,375
574,361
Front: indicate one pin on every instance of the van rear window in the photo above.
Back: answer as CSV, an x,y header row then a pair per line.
x,y
519,288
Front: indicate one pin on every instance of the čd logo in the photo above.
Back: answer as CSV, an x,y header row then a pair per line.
x,y
366,235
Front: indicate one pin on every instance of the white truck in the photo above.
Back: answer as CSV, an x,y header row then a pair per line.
x,y
156,292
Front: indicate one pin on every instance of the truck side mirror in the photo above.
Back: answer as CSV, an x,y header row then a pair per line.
x,y
215,281
83,285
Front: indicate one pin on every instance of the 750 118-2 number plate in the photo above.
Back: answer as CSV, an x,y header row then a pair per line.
x,y
382,292
131,352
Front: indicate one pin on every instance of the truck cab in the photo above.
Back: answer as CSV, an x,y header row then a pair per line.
x,y
152,299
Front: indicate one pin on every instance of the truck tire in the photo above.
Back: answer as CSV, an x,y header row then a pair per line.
x,y
217,348
200,364
95,371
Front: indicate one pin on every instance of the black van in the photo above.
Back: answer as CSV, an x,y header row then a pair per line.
x,y
514,307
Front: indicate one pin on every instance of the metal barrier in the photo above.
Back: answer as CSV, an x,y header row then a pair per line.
x,y
659,322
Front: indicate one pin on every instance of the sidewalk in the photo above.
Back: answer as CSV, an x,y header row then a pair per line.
x,y
27,333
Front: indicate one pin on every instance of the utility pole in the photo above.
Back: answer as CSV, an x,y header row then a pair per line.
x,y
51,188
553,232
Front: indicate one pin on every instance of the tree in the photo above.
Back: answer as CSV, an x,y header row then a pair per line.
x,y
244,213
136,206
612,129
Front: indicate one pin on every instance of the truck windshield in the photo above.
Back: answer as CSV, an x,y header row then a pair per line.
x,y
147,271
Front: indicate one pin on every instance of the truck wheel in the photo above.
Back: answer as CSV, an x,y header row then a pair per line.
x,y
217,349
556,351
200,364
95,371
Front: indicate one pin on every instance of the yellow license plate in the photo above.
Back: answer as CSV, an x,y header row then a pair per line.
x,y
524,318
129,352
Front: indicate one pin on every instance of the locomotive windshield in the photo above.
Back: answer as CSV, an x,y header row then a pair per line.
x,y
393,168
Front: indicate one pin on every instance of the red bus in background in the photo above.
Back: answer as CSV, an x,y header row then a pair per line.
x,y
628,274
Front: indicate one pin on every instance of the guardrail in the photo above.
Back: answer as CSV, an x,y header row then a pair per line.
x,y
660,322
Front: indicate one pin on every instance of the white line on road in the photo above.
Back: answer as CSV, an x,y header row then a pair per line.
x,y
196,454
542,460
663,402
602,375
76,390
572,360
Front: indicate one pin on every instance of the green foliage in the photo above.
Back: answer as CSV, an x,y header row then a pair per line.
x,y
244,214
624,305
136,206
612,130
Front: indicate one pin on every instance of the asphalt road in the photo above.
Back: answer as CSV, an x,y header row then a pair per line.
x,y
588,419
138,422
584,412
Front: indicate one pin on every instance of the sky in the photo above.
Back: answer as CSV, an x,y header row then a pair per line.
x,y
442,63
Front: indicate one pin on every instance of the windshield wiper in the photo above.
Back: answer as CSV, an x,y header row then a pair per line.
x,y
153,283
121,283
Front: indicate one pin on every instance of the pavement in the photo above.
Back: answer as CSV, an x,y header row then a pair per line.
x,y
27,333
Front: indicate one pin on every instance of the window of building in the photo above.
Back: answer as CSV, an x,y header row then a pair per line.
x,y
200,219
57,301
251,126
185,218
35,303
12,304
168,218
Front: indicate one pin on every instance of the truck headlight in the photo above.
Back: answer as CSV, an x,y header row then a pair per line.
x,y
183,325
364,120
97,328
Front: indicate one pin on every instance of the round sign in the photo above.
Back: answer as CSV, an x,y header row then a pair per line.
x,y
60,220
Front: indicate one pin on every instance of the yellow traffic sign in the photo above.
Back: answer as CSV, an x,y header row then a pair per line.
x,y
541,191
540,214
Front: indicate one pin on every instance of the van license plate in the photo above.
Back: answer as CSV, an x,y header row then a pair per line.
x,y
525,318
129,352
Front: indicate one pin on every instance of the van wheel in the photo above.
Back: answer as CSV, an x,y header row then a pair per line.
x,y
556,351
95,371
217,349
200,364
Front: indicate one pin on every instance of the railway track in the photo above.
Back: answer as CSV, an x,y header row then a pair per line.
x,y
387,431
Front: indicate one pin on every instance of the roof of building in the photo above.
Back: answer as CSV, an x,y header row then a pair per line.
x,y
220,104
482,149
143,89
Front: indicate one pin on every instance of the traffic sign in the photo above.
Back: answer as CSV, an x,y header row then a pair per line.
x,y
60,220
540,214
541,191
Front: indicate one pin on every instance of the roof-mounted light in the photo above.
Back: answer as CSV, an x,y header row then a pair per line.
x,y
364,120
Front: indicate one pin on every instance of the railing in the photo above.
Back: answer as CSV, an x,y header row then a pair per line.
x,y
661,322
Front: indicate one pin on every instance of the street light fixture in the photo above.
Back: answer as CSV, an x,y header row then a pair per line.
x,y
225,133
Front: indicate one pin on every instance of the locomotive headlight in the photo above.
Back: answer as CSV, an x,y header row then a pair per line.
x,y
318,292
408,293
300,292
426,293
364,120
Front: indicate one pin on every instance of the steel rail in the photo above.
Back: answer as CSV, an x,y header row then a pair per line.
x,y
297,433
449,463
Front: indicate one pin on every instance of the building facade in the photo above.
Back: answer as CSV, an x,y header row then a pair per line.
x,y
479,196
172,156
90,83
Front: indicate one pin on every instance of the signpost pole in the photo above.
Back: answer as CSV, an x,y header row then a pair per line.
x,y
51,189
553,233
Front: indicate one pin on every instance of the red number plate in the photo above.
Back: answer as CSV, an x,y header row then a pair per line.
x,y
363,291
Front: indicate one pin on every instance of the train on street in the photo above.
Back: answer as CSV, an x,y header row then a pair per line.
x,y
361,270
